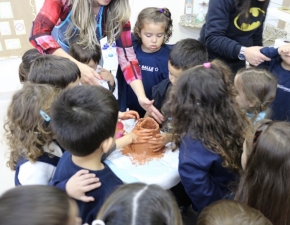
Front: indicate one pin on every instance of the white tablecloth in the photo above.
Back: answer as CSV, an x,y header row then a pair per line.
x,y
162,171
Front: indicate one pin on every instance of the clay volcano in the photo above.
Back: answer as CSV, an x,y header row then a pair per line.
x,y
148,124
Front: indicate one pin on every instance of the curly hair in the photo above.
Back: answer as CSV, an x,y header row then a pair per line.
x,y
265,184
25,130
259,88
203,105
155,15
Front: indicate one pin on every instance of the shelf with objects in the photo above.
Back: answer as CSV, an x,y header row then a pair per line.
x,y
197,19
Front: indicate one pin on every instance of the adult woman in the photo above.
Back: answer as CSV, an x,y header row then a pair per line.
x,y
233,31
91,20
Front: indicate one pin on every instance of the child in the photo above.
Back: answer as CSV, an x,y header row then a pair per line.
x,y
27,59
152,30
86,129
91,57
228,212
57,71
280,67
185,54
208,129
256,91
38,204
139,203
266,161
34,153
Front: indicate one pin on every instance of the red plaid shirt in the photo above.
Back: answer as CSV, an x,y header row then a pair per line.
x,y
54,12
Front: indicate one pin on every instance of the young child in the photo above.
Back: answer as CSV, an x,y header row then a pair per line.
x,y
38,204
27,59
208,129
256,91
33,153
139,203
91,57
265,183
185,54
152,30
86,129
228,212
280,67
57,71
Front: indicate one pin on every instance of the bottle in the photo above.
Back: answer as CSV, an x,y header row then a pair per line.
x,y
200,17
188,12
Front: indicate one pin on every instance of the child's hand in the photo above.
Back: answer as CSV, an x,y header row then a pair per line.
x,y
107,76
284,50
80,183
141,136
159,141
129,115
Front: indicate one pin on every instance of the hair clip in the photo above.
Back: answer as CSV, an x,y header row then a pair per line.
x,y
98,222
206,65
44,116
161,10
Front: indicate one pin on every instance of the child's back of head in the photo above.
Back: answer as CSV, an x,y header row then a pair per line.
x,y
256,91
228,212
185,54
83,117
139,203
265,183
54,70
27,59
84,54
202,105
26,130
34,204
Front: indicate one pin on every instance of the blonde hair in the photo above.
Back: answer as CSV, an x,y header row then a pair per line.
x,y
259,87
228,212
117,14
26,131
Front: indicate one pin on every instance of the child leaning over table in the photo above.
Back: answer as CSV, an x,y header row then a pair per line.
x,y
280,67
86,129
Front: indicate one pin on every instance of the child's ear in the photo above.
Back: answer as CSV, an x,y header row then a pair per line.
x,y
107,144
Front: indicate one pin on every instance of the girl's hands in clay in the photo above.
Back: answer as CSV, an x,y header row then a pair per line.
x,y
80,183
142,136
159,141
129,115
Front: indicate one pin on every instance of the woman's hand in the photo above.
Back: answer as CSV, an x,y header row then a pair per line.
x,y
149,107
88,75
254,56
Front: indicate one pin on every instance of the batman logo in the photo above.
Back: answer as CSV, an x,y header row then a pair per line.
x,y
255,19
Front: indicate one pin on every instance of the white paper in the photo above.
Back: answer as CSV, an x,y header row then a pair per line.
x,y
5,10
5,28
19,27
12,44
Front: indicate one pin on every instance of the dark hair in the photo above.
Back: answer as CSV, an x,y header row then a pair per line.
x,y
84,54
203,105
188,53
265,184
243,7
259,88
139,203
83,117
34,205
54,70
27,59
155,15
228,212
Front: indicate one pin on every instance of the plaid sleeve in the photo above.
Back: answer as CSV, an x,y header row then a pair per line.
x,y
52,12
126,55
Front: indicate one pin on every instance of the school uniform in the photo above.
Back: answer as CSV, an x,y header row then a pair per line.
x,y
201,172
87,210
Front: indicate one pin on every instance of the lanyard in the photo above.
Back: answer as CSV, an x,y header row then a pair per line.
x,y
99,19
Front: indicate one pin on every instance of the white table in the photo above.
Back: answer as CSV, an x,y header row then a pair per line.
x,y
163,171
275,12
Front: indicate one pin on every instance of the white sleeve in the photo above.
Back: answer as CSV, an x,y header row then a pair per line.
x,y
35,173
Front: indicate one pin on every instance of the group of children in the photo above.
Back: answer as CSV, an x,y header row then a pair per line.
x,y
59,132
